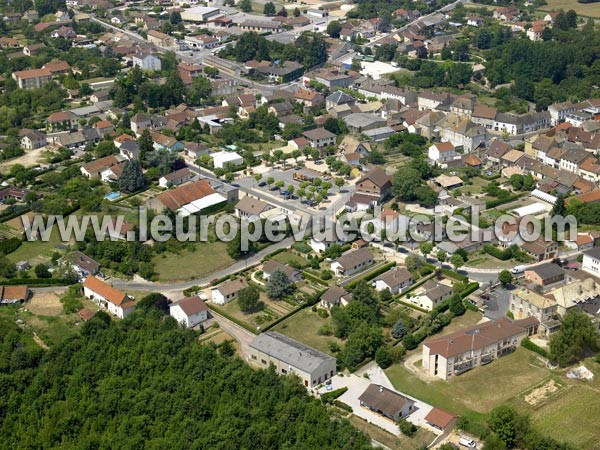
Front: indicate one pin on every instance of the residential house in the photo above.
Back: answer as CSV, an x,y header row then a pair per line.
x,y
541,250
104,127
227,291
338,98
130,150
61,121
82,264
309,98
478,345
146,61
93,169
190,311
335,296
223,158
292,357
430,100
64,33
107,297
32,139
161,39
164,142
360,122
250,208
352,262
320,137
386,402
282,73
175,178
376,183
396,280
442,152
430,295
271,266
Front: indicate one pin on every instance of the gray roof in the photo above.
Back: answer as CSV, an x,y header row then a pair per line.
x,y
395,277
362,120
546,271
436,290
355,257
289,351
339,98
593,252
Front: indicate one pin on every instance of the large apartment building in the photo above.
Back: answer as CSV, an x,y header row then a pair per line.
x,y
463,350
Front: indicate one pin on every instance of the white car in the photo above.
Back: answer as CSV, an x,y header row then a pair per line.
x,y
467,442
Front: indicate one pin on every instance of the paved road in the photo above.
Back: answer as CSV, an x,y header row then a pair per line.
x,y
243,336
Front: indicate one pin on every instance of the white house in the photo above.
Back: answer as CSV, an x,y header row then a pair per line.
x,y
228,291
322,245
146,61
442,152
431,295
335,296
396,280
591,261
107,297
190,311
221,158
352,262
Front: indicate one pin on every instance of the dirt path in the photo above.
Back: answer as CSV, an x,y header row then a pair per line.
x,y
38,340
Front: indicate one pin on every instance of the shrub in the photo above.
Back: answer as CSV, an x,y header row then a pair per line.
x,y
425,270
383,357
329,397
410,342
326,275
526,343
407,428
325,330
323,313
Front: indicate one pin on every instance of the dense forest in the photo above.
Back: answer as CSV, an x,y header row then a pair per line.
x,y
145,383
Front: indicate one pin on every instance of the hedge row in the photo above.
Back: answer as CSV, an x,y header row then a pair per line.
x,y
310,302
502,255
328,397
526,343
242,324
37,282
276,252
500,201
371,275
472,288
10,245
314,278
452,274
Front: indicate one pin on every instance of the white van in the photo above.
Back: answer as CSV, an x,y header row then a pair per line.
x,y
518,270
467,442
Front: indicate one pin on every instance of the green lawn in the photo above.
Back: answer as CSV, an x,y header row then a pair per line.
x,y
36,251
207,258
304,325
476,392
587,9
290,258
572,417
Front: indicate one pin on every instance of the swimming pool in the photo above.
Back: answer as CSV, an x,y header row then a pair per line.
x,y
112,195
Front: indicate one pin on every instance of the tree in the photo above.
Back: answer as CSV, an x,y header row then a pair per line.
x,y
155,300
175,18
575,337
245,5
333,29
505,277
559,208
248,299
269,9
426,247
145,144
509,425
407,428
399,330
383,357
457,307
441,256
339,182
132,178
278,285
457,260
199,91
297,12
41,271
385,296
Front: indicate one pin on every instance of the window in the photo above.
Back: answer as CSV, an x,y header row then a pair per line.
x,y
283,371
262,361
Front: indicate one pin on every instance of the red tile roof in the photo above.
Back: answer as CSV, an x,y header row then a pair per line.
x,y
106,291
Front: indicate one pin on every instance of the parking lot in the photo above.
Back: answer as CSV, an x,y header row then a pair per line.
x,y
273,194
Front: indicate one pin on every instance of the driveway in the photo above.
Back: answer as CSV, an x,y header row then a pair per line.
x,y
498,304
243,336
357,384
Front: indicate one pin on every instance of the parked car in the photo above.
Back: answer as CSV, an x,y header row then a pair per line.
x,y
467,442
262,184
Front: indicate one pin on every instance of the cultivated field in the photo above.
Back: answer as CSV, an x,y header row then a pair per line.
x,y
588,9
272,310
